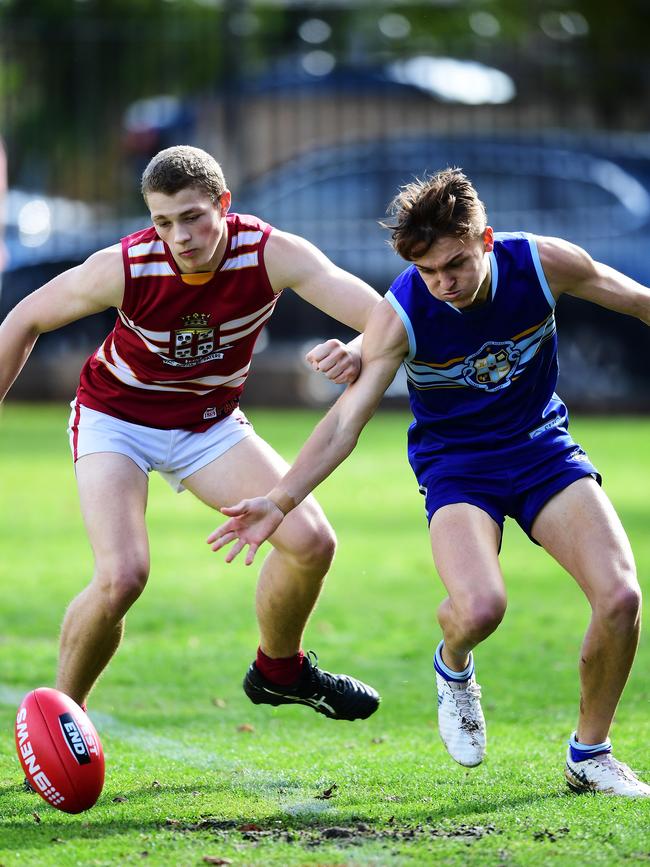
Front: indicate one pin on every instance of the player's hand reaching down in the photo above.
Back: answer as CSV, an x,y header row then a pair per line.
x,y
339,362
251,523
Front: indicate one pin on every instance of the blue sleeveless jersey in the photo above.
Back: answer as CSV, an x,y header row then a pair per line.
x,y
482,379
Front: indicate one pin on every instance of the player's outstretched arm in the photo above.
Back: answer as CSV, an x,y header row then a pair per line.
x,y
93,286
294,263
253,521
570,269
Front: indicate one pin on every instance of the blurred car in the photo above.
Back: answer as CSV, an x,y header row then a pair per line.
x,y
337,196
594,194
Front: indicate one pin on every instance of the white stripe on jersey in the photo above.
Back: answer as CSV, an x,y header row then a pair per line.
x,y
152,269
228,338
124,373
159,341
244,320
146,249
243,239
246,260
145,334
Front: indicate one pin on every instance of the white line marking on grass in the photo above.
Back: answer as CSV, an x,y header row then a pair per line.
x,y
162,746
301,807
138,737
175,751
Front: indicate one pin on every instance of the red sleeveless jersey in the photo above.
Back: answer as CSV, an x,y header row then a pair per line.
x,y
179,353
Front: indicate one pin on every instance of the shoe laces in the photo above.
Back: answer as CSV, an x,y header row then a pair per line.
x,y
324,678
466,702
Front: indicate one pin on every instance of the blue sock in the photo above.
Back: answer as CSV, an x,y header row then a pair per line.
x,y
581,752
448,673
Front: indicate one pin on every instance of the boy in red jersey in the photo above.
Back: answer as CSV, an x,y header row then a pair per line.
x,y
192,294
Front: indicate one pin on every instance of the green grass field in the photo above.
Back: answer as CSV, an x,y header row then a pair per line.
x,y
196,774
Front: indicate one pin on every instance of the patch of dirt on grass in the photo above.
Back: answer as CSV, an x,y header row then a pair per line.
x,y
315,835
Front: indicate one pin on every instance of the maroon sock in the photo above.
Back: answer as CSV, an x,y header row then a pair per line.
x,y
283,671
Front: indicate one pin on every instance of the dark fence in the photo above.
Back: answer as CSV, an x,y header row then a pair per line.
x,y
318,112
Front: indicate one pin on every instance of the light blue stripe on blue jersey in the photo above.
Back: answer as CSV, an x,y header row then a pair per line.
x,y
422,375
397,307
494,268
529,345
541,276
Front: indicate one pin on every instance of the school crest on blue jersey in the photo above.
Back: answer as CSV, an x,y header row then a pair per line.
x,y
493,366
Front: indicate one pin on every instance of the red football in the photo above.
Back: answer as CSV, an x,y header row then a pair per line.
x,y
59,750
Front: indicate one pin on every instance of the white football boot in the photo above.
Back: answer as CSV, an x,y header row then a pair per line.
x,y
460,720
604,774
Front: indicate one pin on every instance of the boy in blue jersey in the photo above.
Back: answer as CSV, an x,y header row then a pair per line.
x,y
472,320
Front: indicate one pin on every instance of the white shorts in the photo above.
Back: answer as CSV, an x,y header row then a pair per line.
x,y
175,454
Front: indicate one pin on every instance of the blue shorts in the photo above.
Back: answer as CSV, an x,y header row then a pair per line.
x,y
517,481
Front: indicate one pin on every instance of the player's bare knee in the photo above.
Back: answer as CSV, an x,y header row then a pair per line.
x,y
125,591
322,548
483,618
315,549
621,607
122,584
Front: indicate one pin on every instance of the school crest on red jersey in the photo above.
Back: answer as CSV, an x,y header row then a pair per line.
x,y
493,366
195,340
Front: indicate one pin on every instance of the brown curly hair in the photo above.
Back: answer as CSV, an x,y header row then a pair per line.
x,y
438,205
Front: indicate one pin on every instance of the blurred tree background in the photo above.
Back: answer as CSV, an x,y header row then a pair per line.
x,y
69,69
